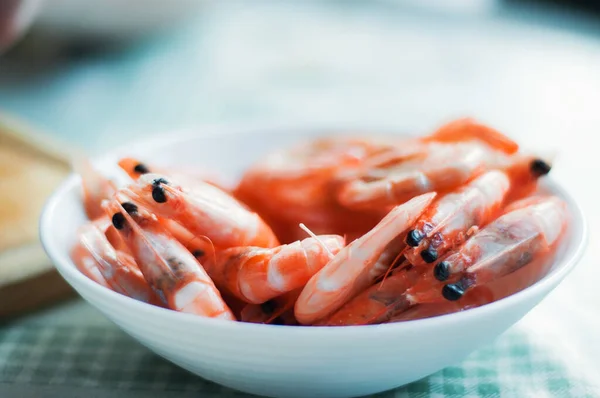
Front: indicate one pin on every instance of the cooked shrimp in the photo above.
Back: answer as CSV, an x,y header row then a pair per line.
x,y
508,245
455,216
505,245
119,269
486,293
170,269
256,274
96,188
316,159
446,167
354,268
205,211
297,186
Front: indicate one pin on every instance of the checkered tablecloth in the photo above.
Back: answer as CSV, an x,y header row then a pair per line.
x,y
102,359
534,76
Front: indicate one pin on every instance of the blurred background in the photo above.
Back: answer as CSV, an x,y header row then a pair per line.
x,y
90,75
100,72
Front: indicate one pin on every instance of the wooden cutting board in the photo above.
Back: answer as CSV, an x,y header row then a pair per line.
x,y
31,167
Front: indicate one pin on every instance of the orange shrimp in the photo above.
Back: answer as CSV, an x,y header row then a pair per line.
x,y
507,244
297,186
494,251
119,269
256,274
457,215
445,167
96,188
487,293
168,267
136,168
205,211
355,267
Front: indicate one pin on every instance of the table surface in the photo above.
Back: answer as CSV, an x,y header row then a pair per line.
x,y
535,75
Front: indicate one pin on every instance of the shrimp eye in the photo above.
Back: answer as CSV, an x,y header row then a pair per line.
x,y
141,168
129,207
413,238
268,307
442,271
429,255
539,167
158,194
118,220
198,253
453,292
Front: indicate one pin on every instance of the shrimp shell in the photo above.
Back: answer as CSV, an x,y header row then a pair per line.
x,y
255,274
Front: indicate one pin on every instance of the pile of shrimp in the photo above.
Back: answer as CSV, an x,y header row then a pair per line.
x,y
333,231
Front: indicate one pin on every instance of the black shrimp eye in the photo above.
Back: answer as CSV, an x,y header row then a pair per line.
x,y
539,167
413,238
453,292
141,168
118,220
442,271
429,255
268,307
129,207
198,253
158,194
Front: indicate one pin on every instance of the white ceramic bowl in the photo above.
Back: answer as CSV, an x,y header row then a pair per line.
x,y
282,361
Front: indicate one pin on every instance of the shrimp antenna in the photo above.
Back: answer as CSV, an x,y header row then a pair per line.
x,y
312,235
205,238
392,266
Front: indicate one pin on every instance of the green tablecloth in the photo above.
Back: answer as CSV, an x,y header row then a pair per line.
x,y
532,75
103,361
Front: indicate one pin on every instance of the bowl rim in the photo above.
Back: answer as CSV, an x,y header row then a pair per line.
x,y
64,265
